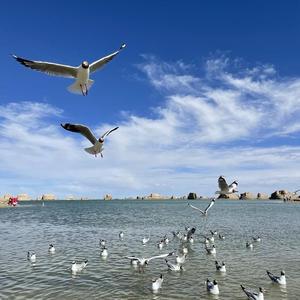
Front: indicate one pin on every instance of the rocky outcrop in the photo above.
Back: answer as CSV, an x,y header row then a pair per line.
x,y
229,196
247,196
192,196
281,194
262,196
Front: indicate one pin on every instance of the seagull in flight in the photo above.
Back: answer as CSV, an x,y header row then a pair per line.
x,y
225,188
204,213
277,279
86,132
145,261
81,73
252,295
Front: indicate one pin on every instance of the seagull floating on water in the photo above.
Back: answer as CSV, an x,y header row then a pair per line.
x,y
51,249
185,250
180,259
252,295
86,132
226,189
212,287
156,283
249,245
221,237
102,243
278,279
203,212
78,266
80,73
173,267
220,268
31,256
256,239
104,252
211,250
145,240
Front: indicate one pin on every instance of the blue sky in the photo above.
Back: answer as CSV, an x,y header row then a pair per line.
x,y
202,89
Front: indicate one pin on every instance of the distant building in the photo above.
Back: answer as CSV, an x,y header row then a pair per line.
x,y
108,197
192,196
23,197
48,197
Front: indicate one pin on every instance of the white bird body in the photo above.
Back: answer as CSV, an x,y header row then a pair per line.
x,y
221,268
249,245
145,240
256,239
191,240
211,250
104,252
252,295
221,237
102,243
212,287
211,239
180,259
226,189
156,284
78,267
121,235
51,249
173,267
31,256
160,245
95,149
81,74
166,240
278,279
185,250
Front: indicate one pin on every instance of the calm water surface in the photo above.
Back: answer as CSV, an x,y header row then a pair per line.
x,y
75,227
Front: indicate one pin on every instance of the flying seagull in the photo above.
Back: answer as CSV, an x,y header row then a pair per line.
x,y
81,73
252,295
204,213
145,261
225,188
86,132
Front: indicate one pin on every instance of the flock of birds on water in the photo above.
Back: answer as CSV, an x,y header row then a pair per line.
x,y
186,239
82,84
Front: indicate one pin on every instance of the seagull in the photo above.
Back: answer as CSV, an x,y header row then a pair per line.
x,y
81,73
256,239
212,287
185,250
121,235
191,240
173,267
180,259
220,268
211,250
86,132
78,267
31,256
252,295
177,234
249,245
278,279
51,249
166,240
185,238
145,240
191,232
156,284
204,213
221,237
225,188
213,232
102,243
145,261
104,252
160,244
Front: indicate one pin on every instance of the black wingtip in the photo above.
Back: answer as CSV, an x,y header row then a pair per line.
x,y
243,288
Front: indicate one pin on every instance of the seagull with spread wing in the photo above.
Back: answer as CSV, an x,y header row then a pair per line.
x,y
204,213
81,73
145,261
225,188
86,132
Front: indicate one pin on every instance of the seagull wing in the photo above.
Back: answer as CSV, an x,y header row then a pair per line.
x,y
232,186
223,186
196,208
96,65
212,202
85,131
250,295
273,277
48,67
159,256
108,132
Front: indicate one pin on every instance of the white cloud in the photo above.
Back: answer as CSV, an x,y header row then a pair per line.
x,y
206,126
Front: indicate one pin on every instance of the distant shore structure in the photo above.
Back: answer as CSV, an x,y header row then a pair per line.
x,y
48,197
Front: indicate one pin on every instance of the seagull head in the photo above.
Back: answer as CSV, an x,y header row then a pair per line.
x,y
215,282
101,140
85,64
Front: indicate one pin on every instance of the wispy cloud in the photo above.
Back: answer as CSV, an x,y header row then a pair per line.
x,y
206,125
